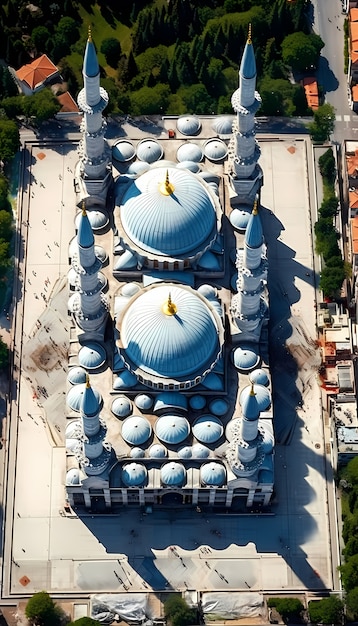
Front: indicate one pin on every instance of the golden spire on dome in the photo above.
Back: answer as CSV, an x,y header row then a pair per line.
x,y
255,208
87,382
249,39
89,34
169,308
84,213
166,188
252,392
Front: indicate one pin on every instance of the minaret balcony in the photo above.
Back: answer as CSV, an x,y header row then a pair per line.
x,y
95,108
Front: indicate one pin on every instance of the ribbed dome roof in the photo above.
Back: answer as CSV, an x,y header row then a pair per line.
x,y
126,261
149,150
207,429
76,375
73,476
239,219
92,356
213,382
137,453
134,474
130,289
197,402
223,125
215,150
262,395
138,167
246,358
123,151
75,396
185,452
153,219
192,166
208,291
213,474
171,345
172,474
143,402
190,152
170,400
157,451
218,406
136,430
97,219
199,451
188,125
259,377
172,429
121,407
72,428
124,380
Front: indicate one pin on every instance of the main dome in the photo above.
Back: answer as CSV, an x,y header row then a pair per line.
x,y
173,220
171,331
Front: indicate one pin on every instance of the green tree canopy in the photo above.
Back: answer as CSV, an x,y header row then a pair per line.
x,y
67,28
331,280
287,607
4,193
349,573
328,610
352,603
6,225
84,621
323,123
9,139
301,52
149,100
4,354
42,105
327,165
178,612
40,37
42,611
111,48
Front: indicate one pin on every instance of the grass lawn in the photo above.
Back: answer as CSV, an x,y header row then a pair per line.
x,y
101,29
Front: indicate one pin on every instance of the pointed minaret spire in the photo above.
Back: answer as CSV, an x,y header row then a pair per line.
x,y
169,308
166,188
93,454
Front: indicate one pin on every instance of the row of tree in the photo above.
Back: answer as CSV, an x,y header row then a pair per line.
x,y
349,570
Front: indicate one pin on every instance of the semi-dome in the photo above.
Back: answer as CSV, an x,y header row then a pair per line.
x,y
172,429
185,452
213,382
121,407
97,219
136,430
188,125
157,451
215,150
219,406
124,380
173,474
192,166
169,330
246,358
197,402
262,396
170,400
149,150
199,451
213,474
138,167
92,356
130,289
143,402
75,397
189,152
134,474
208,291
73,476
137,453
207,429
123,150
76,375
239,219
152,212
223,125
259,376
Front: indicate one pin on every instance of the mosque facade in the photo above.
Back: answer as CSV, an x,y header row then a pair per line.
x,y
169,398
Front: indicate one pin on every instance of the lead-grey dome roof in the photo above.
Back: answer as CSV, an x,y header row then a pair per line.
x,y
136,430
92,355
149,150
166,344
215,150
172,429
134,474
123,150
188,125
77,375
173,474
213,474
189,152
173,223
207,429
121,407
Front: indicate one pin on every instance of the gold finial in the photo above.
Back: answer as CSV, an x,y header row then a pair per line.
x,y
87,382
89,34
255,209
252,392
83,209
169,308
166,188
249,39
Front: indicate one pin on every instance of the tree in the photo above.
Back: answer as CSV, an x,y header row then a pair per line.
x,y
40,37
331,280
349,573
287,607
327,165
9,139
301,52
149,101
4,194
5,225
4,354
352,603
84,621
68,29
323,123
111,48
42,611
178,612
42,105
328,610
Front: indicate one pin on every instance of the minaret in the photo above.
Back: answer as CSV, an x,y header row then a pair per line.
x,y
89,305
245,175
94,176
248,306
93,452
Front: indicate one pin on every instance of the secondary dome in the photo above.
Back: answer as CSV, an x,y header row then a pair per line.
x,y
197,402
223,125
137,453
262,396
185,452
149,150
199,451
246,358
218,406
121,407
76,375
207,429
170,331
143,402
157,451
259,377
92,356
213,474
153,217
136,430
189,152
215,150
173,474
123,151
75,396
188,125
172,429
134,474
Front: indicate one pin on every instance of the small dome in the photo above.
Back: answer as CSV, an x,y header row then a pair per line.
x,y
213,382
136,430
72,444
73,477
123,151
157,451
172,429
130,289
208,291
121,407
185,452
137,453
192,166
197,402
207,429
170,400
209,261
97,219
101,253
209,177
188,125
149,150
259,377
73,428
189,152
262,395
215,150
143,402
138,167
92,356
246,358
173,474
239,219
213,474
218,406
76,375
124,380
134,474
199,451
75,396
223,125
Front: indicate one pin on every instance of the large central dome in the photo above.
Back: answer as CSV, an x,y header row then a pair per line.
x,y
171,331
168,220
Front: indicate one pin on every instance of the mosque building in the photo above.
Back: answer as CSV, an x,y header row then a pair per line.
x,y
168,395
